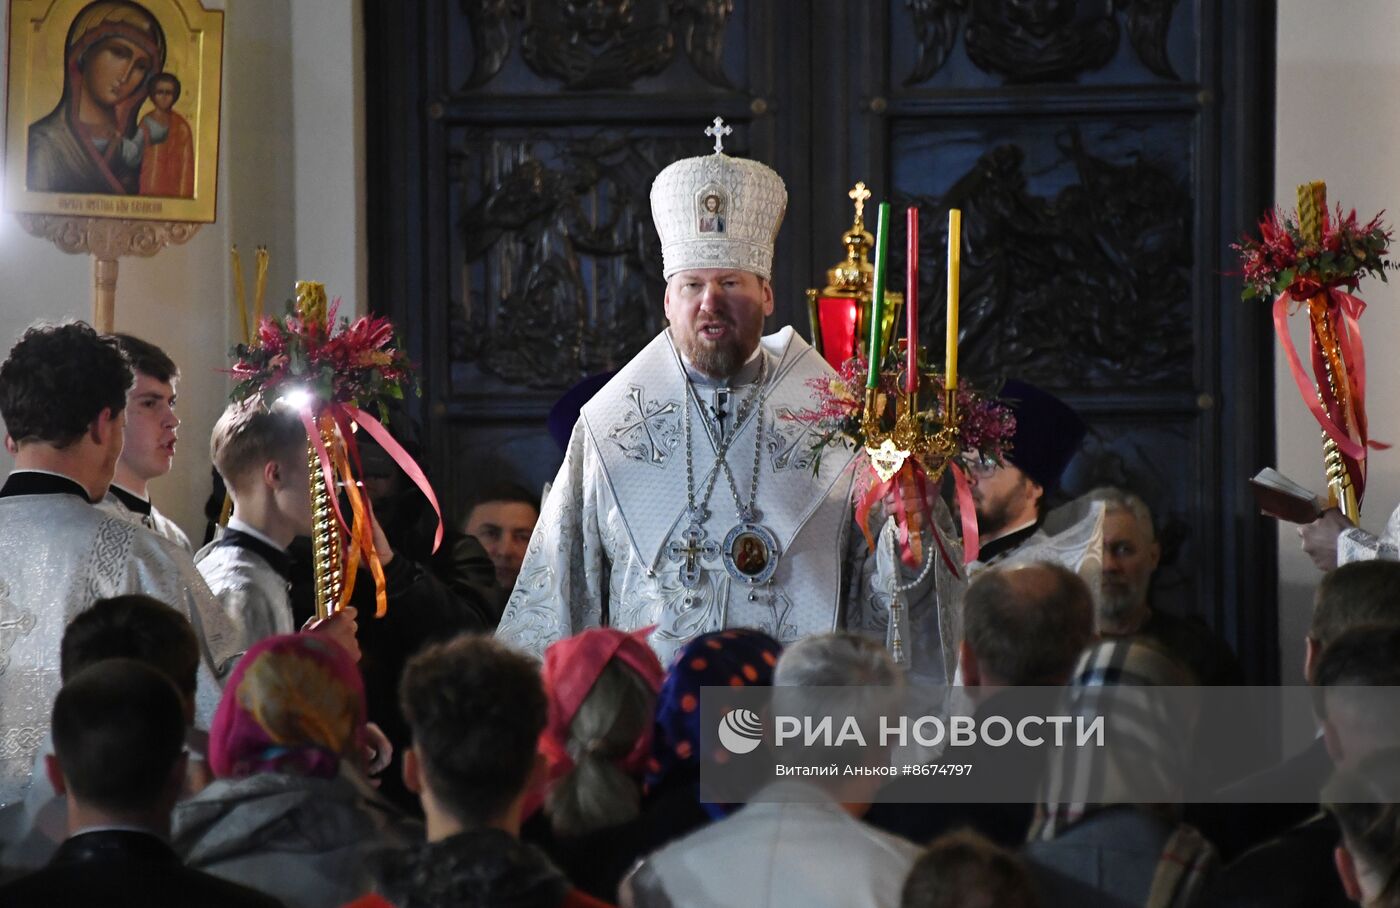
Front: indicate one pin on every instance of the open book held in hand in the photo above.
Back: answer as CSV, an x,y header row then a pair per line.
x,y
1278,496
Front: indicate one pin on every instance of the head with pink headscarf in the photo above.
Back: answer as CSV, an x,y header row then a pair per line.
x,y
601,686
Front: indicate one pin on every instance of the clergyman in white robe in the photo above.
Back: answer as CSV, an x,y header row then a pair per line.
x,y
58,555
611,545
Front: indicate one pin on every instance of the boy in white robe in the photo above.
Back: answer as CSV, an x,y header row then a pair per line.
x,y
148,448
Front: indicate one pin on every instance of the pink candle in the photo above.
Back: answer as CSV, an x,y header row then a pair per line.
x,y
911,302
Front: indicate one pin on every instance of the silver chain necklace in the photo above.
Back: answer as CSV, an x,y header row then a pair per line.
x,y
749,551
700,513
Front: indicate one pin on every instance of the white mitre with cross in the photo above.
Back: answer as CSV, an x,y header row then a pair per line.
x,y
718,212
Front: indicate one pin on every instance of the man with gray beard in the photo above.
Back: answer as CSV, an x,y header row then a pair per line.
x,y
1130,557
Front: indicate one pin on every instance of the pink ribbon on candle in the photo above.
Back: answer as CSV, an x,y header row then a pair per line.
x,y
401,457
967,514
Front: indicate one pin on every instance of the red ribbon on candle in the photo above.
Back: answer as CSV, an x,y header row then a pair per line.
x,y
1346,311
406,463
911,302
1343,312
913,471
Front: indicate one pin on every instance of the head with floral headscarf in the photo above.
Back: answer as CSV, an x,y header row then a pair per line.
x,y
294,704
739,657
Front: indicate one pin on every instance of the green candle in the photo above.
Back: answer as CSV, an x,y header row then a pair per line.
x,y
877,294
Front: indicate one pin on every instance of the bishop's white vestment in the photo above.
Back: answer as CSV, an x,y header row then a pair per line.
x,y
58,555
616,545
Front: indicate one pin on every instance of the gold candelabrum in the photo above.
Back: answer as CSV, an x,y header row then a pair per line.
x,y
841,314
1341,491
890,451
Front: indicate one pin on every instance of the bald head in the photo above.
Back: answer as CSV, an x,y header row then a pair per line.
x,y
1025,625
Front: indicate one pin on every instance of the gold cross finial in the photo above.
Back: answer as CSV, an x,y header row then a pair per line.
x,y
719,130
859,195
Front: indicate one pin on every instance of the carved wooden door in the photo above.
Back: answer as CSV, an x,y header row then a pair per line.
x,y
1104,153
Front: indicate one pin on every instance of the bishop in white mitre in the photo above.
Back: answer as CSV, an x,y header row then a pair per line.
x,y
691,499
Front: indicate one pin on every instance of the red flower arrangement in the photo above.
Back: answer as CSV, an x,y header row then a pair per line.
x,y
985,425
362,364
1282,260
346,372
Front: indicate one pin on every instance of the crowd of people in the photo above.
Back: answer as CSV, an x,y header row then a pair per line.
x,y
523,727
575,781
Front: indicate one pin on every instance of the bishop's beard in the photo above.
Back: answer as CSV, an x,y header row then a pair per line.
x,y
722,358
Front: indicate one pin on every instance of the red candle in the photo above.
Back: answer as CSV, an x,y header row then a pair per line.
x,y
911,302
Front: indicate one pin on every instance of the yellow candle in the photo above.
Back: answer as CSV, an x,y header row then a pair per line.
x,y
954,262
238,296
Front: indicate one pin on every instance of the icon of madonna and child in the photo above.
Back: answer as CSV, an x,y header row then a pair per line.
x,y
93,141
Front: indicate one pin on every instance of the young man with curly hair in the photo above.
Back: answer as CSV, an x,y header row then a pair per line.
x,y
63,391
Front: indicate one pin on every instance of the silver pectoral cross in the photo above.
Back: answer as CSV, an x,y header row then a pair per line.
x,y
719,130
696,546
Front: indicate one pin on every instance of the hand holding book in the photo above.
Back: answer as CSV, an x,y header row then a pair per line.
x,y
1278,496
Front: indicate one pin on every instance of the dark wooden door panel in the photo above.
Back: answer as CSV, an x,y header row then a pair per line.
x,y
1078,259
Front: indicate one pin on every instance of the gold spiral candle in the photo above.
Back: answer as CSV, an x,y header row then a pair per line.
x,y
325,534
1340,488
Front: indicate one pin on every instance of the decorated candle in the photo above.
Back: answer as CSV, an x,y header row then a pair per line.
x,y
911,301
877,294
954,262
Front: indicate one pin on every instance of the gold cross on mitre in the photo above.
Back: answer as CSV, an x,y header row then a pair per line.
x,y
719,130
859,195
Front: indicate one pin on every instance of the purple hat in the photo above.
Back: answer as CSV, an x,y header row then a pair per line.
x,y
1048,432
